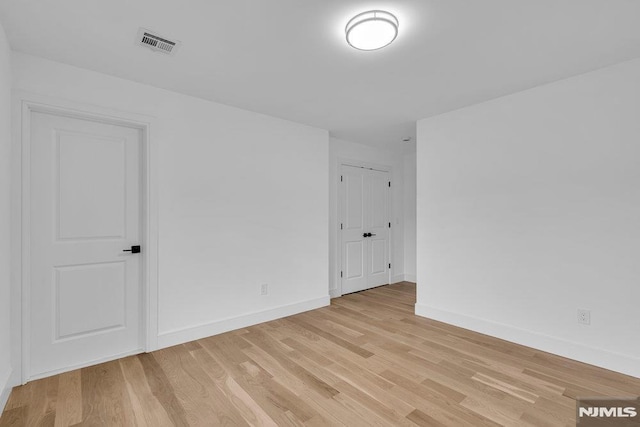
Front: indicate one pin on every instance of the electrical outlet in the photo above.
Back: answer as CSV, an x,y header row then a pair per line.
x,y
264,289
584,316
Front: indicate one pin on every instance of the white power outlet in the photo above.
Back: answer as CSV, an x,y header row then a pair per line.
x,y
584,316
264,289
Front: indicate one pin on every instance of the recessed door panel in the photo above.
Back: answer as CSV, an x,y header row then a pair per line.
x,y
354,208
355,260
89,299
91,186
378,207
378,256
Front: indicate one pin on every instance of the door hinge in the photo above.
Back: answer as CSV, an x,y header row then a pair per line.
x,y
389,265
389,225
340,226
341,274
389,184
340,178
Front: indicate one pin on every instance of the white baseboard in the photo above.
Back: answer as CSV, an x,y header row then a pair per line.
x,y
403,278
180,336
594,356
5,389
397,278
410,278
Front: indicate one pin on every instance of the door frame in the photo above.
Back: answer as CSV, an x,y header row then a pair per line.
x,y
24,105
340,196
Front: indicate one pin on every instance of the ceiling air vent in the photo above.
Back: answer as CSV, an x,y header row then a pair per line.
x,y
157,43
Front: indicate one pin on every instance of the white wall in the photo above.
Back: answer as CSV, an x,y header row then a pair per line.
x,y
341,150
529,208
409,162
5,215
242,202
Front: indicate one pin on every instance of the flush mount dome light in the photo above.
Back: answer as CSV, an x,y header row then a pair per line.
x,y
372,30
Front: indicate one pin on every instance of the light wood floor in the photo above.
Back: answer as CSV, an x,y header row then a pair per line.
x,y
365,360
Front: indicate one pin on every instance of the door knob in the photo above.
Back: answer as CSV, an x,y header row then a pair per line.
x,y
133,250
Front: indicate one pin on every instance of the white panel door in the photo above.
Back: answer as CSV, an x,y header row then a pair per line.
x,y
354,245
85,211
365,228
377,225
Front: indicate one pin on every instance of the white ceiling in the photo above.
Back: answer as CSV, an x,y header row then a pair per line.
x,y
288,58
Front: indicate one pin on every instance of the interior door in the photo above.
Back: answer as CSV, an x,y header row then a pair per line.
x,y
377,225
85,291
364,228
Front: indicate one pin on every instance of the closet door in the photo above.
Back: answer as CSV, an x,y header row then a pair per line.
x,y
364,228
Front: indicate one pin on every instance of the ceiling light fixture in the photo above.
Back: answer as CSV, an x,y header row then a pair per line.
x,y
372,30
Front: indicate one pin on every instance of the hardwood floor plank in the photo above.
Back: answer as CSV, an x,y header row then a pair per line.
x,y
202,400
306,351
335,413
505,387
422,419
105,400
147,409
435,403
69,406
366,360
270,347
356,397
547,412
237,396
339,341
16,416
500,414
272,396
162,390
